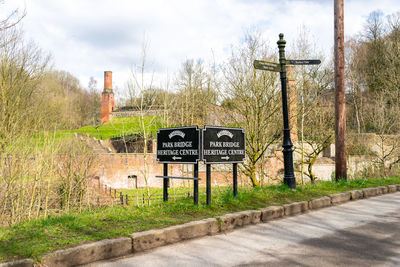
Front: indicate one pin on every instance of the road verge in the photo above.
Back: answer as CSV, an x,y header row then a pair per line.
x,y
142,241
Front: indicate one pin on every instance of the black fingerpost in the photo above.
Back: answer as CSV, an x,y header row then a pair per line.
x,y
289,178
287,145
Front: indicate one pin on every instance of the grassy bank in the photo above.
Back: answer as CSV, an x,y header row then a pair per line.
x,y
35,238
115,127
118,126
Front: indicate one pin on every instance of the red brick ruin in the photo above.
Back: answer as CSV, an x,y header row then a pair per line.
x,y
107,98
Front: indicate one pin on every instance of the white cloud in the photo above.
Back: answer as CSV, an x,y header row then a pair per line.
x,y
87,37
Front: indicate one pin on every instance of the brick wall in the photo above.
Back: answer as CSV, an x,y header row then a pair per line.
x,y
128,171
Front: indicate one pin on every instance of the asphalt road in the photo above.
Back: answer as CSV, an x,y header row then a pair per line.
x,y
358,233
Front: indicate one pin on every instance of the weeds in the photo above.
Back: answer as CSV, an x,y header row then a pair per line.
x,y
37,237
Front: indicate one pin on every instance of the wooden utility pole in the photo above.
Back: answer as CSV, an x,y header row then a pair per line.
x,y
340,101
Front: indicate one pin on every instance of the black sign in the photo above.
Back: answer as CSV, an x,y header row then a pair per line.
x,y
265,65
178,145
303,61
223,145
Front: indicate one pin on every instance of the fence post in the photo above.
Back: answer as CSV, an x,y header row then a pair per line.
x,y
115,193
143,200
121,197
126,199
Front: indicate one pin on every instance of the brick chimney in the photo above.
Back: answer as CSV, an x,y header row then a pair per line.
x,y
107,98
292,95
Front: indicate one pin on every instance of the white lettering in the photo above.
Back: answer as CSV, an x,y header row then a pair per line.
x,y
215,144
183,144
188,152
168,144
235,152
230,144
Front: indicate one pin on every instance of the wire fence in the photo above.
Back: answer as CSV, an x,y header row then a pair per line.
x,y
143,198
147,199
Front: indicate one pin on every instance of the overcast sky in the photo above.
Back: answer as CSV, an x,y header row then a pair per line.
x,y
87,37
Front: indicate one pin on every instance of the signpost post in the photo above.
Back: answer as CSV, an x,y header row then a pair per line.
x,y
179,145
287,145
222,145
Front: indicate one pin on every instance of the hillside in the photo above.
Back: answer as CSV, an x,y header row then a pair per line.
x,y
115,127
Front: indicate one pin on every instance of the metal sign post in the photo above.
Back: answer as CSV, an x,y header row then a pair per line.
x,y
222,145
289,178
196,184
287,145
179,145
208,184
165,182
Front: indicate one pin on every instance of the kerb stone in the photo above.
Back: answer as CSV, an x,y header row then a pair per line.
x,y
319,203
382,190
238,219
356,194
229,221
370,192
104,249
392,188
250,217
295,208
190,230
18,263
148,240
340,198
271,213
255,216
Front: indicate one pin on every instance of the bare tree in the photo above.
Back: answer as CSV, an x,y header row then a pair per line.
x,y
253,100
8,30
138,86
195,94
22,67
374,82
314,110
29,159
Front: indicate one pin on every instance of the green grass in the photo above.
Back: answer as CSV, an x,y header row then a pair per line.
x,y
116,126
35,238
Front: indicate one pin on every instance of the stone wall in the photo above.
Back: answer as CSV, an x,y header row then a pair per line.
x,y
136,113
118,170
128,171
113,169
